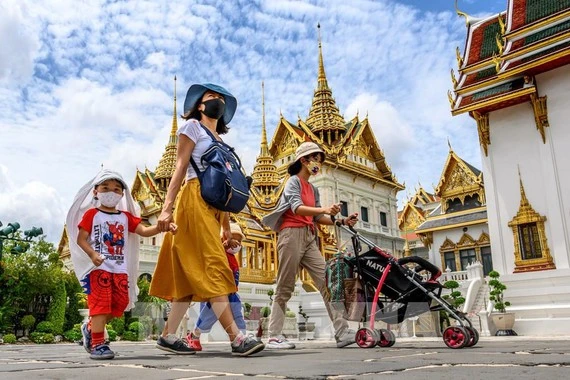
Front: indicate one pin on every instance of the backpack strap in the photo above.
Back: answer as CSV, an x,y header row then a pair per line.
x,y
216,141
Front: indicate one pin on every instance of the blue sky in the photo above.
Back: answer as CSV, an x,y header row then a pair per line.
x,y
91,82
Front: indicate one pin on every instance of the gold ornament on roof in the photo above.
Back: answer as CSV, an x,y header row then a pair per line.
x,y
453,79
540,110
502,24
450,98
483,130
500,43
458,57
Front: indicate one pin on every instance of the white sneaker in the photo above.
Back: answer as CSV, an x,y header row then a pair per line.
x,y
346,338
279,342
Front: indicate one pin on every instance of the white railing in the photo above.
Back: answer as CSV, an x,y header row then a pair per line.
x,y
472,272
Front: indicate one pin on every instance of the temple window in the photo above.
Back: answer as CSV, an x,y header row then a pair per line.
x,y
364,214
449,261
383,219
467,256
486,259
529,241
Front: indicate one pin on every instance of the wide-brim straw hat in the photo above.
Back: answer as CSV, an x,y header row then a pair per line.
x,y
197,91
306,149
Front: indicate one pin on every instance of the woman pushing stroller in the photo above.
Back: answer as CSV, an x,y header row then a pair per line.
x,y
294,218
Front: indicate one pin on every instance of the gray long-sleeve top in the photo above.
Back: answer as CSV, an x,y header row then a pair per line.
x,y
290,199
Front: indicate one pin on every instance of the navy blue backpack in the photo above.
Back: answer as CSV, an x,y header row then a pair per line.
x,y
223,183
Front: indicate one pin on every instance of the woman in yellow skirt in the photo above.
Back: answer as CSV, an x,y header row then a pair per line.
x,y
192,266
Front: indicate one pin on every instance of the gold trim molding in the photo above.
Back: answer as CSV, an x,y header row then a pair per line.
x,y
540,109
483,129
527,217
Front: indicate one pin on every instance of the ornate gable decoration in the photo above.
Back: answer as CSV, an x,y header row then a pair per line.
x,y
411,218
466,241
447,245
459,180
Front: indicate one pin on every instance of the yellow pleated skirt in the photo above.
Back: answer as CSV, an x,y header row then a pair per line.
x,y
192,264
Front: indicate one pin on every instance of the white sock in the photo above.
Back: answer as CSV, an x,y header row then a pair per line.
x,y
171,338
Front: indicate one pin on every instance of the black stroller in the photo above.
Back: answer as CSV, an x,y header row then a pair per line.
x,y
401,288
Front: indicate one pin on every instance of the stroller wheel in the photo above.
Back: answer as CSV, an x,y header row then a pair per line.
x,y
456,337
387,338
474,336
366,338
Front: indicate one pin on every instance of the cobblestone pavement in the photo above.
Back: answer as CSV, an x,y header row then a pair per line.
x,y
420,358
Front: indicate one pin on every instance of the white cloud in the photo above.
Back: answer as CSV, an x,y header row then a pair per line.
x,y
90,82
19,43
34,204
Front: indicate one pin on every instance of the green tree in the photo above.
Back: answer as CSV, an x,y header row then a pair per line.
x,y
56,311
27,276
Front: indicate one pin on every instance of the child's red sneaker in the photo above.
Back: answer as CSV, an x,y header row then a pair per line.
x,y
194,342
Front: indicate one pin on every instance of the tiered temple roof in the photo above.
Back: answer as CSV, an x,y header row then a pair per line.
x,y
503,53
167,163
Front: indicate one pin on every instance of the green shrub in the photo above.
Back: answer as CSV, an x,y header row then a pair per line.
x,y
112,335
118,324
45,327
290,314
72,335
27,322
136,327
56,311
265,311
41,338
9,338
132,336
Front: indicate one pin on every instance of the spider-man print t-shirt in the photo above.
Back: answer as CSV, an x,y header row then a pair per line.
x,y
108,236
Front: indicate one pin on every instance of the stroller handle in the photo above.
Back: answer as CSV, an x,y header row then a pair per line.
x,y
339,224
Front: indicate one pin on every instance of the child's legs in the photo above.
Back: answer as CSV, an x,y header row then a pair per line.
x,y
100,299
235,305
221,307
206,319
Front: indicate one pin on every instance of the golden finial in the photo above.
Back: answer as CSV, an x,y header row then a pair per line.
x,y
499,42
524,200
502,24
174,118
322,76
450,98
453,79
449,145
264,146
462,14
458,57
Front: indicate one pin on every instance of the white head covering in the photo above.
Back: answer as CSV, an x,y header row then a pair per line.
x,y
82,264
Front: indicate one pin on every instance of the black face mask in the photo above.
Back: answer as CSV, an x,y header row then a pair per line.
x,y
214,108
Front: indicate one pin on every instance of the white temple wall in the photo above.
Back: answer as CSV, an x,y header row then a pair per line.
x,y
454,234
540,300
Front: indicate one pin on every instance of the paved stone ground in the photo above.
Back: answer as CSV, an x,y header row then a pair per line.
x,y
420,358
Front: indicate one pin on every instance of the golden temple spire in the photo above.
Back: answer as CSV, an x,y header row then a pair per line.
x,y
322,78
324,117
167,163
264,145
265,176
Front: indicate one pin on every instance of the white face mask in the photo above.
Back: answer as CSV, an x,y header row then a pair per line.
x,y
109,199
235,250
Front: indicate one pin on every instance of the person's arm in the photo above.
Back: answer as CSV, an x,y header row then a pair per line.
x,y
146,231
83,242
184,151
227,239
